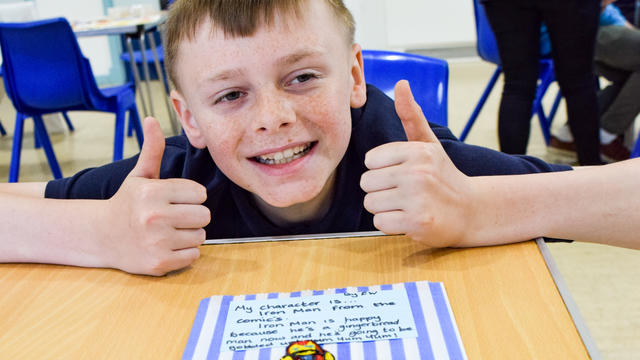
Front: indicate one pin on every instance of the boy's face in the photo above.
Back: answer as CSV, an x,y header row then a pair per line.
x,y
273,108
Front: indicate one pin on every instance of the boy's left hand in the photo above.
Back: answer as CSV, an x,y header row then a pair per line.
x,y
412,187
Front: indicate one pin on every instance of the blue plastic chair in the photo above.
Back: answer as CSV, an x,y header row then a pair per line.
x,y
3,132
488,51
45,72
636,149
428,77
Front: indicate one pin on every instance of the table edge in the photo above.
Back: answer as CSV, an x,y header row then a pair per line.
x,y
572,307
294,237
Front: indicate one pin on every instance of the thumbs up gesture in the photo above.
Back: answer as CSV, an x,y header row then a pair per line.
x,y
157,223
412,187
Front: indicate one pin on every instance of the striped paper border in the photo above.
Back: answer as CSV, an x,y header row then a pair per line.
x,y
438,335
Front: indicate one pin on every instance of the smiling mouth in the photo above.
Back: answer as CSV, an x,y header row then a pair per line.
x,y
285,156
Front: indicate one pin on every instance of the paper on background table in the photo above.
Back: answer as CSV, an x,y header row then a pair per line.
x,y
437,333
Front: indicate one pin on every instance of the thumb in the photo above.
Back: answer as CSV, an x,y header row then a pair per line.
x,y
415,124
150,158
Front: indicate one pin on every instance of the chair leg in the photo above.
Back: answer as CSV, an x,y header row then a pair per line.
x,y
41,130
14,168
164,80
483,99
118,138
130,127
36,141
554,108
68,121
546,78
545,123
636,149
3,132
547,120
134,121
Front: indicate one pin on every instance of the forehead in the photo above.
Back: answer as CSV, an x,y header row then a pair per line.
x,y
314,25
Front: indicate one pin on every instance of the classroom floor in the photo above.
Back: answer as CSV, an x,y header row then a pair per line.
x,y
603,280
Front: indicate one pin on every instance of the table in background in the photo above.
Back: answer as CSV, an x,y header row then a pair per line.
x,y
135,28
504,300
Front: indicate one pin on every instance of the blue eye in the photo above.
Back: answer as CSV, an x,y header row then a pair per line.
x,y
304,78
228,97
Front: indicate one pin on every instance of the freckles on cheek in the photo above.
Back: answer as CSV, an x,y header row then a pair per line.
x,y
221,143
325,110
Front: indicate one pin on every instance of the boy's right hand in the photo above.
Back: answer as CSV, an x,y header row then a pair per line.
x,y
157,224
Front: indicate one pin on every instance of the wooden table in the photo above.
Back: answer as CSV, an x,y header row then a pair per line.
x,y
504,300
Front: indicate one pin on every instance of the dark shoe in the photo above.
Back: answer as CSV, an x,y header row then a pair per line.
x,y
615,150
561,152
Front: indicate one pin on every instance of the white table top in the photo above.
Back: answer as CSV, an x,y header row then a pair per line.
x,y
116,27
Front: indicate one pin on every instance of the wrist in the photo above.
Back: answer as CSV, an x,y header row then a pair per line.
x,y
480,213
501,212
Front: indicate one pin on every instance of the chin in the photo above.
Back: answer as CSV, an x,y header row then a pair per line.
x,y
286,201
287,198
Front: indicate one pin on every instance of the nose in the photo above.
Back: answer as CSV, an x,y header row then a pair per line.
x,y
274,111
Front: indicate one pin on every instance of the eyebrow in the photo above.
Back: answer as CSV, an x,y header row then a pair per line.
x,y
225,75
294,58
283,61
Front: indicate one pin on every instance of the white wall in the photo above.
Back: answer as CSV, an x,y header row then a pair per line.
x,y
96,49
381,24
413,24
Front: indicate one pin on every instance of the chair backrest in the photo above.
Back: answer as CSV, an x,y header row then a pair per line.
x,y
428,77
486,41
43,66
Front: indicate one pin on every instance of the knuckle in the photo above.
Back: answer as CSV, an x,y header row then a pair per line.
x,y
378,222
205,215
201,236
422,174
200,191
364,181
367,159
428,151
148,190
203,193
150,218
426,221
158,266
368,203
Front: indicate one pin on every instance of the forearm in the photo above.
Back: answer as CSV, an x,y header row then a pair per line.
x,y
53,231
600,204
33,189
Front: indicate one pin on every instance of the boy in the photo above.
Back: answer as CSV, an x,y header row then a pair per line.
x,y
285,137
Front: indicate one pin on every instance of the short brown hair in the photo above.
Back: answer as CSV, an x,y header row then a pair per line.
x,y
236,18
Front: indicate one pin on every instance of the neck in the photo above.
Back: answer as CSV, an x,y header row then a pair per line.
x,y
308,211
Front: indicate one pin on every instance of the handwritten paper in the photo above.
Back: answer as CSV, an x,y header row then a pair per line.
x,y
434,334
331,318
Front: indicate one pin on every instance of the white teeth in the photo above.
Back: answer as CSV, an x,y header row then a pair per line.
x,y
285,156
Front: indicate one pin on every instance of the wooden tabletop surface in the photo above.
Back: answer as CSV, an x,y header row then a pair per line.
x,y
504,300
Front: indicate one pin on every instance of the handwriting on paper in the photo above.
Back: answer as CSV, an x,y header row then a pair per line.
x,y
329,318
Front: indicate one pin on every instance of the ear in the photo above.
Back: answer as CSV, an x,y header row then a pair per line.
x,y
189,124
359,87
